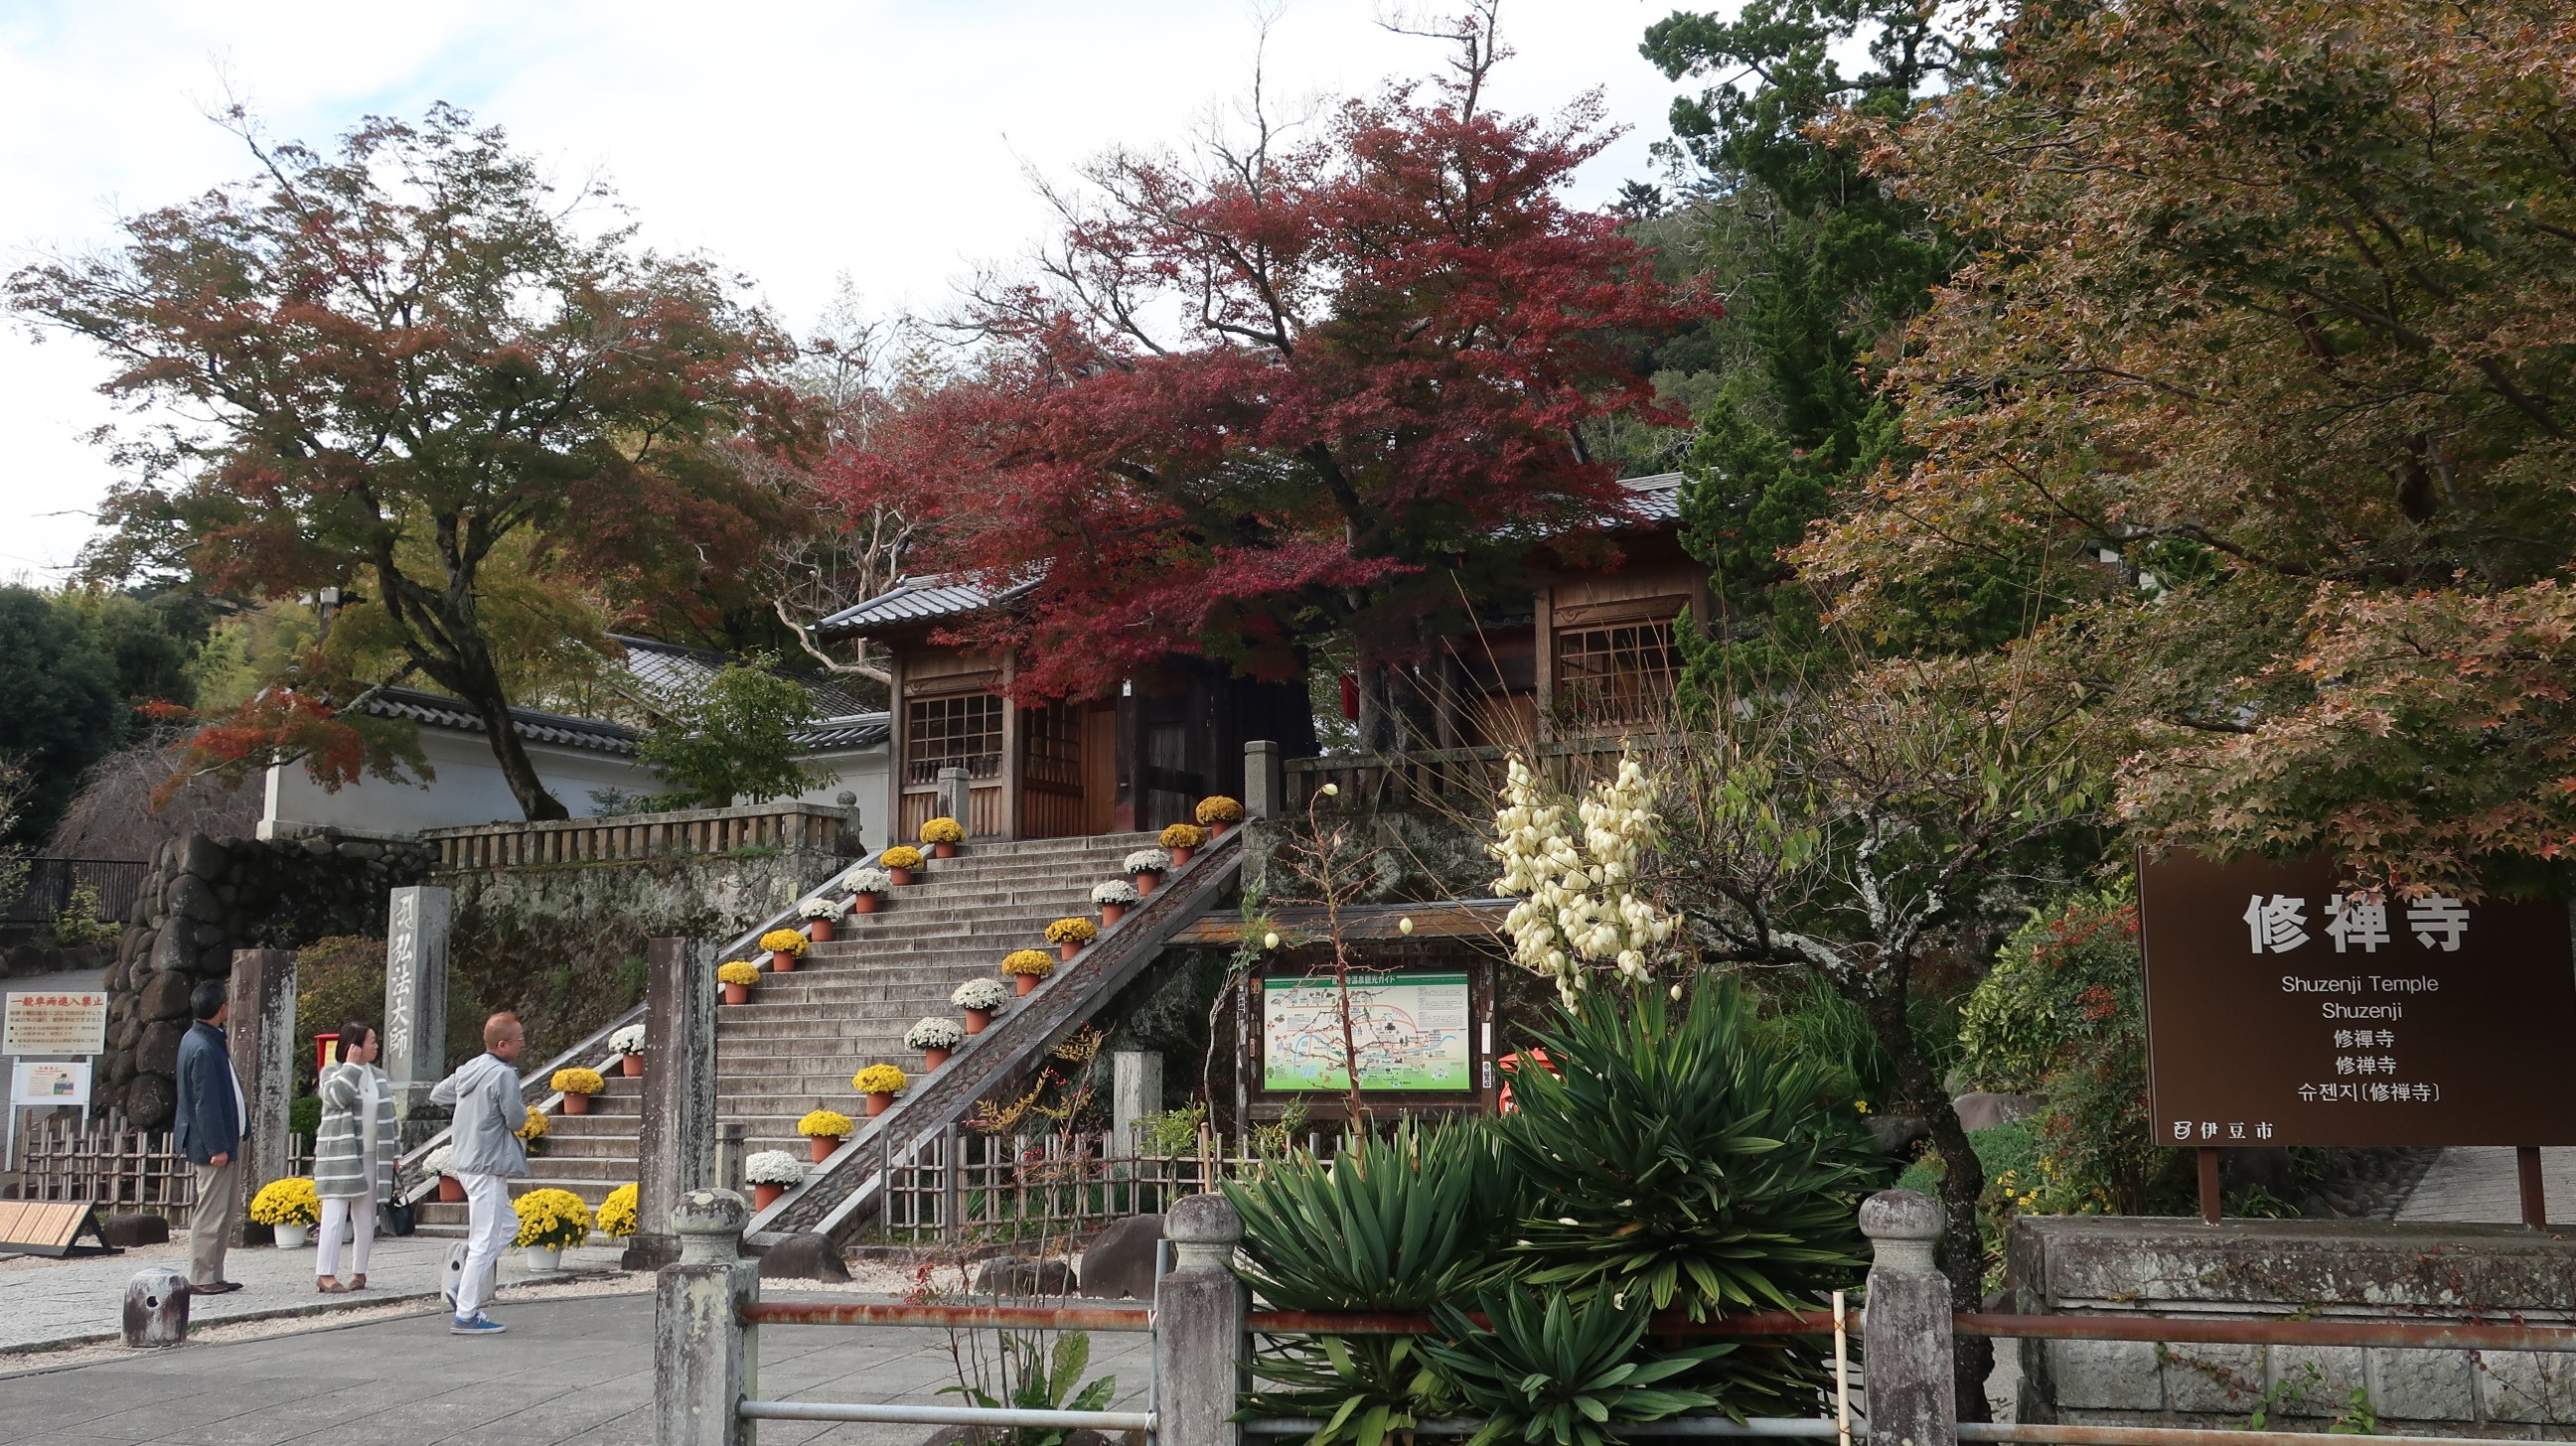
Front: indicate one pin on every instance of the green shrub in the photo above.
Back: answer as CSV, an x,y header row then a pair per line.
x,y
78,924
304,1116
1562,1374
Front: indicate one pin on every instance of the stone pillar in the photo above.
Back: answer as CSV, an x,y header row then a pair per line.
x,y
956,798
1264,789
1135,1091
156,1308
415,1030
704,1361
676,1151
1905,1334
1198,1327
260,1036
732,1150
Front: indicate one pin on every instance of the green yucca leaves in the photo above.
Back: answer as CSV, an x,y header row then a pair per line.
x,y
1563,1374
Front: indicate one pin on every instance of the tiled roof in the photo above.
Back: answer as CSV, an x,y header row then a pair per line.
x,y
859,730
916,600
1658,498
667,670
433,711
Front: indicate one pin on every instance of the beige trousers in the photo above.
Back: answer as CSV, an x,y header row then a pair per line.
x,y
218,1217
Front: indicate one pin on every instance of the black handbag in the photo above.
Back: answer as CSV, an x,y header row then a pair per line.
x,y
397,1217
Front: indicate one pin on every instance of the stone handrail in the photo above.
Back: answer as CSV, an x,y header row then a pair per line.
x,y
1379,779
833,1195
687,833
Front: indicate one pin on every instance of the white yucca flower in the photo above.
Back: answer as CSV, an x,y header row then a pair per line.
x,y
1576,905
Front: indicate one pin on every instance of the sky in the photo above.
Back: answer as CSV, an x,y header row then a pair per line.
x,y
797,143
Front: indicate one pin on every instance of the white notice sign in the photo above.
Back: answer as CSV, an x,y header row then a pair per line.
x,y
65,1021
48,1082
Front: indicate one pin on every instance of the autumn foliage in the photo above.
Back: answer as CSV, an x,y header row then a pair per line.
x,y
1284,385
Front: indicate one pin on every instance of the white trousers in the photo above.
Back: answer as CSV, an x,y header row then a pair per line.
x,y
490,1227
355,1212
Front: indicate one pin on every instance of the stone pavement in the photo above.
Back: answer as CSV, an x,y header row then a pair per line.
x,y
2477,1182
51,1302
569,1371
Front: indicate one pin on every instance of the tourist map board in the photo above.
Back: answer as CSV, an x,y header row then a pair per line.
x,y
1410,1031
2281,1011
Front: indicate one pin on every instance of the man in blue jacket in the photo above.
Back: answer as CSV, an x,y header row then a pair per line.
x,y
210,1135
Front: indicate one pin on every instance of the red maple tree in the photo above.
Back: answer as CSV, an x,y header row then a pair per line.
x,y
1284,387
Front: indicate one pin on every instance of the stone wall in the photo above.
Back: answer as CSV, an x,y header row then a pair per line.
x,y
205,898
2307,1269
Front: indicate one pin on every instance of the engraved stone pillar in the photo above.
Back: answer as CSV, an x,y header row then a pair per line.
x,y
676,1152
260,1036
415,1029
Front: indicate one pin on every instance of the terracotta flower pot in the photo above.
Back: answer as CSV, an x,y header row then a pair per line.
x,y
1217,829
1066,950
977,1020
1146,879
822,1146
737,994
899,876
863,903
632,1066
819,930
451,1191
1111,914
782,961
1023,983
576,1104
764,1196
932,1059
1181,857
943,851
880,1102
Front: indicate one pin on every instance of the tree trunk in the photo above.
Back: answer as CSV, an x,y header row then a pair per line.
x,y
480,686
1963,1181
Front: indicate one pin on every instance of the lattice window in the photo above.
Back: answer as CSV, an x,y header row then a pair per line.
x,y
964,731
1616,674
1051,737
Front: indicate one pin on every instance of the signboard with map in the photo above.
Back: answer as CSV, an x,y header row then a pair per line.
x,y
1410,1029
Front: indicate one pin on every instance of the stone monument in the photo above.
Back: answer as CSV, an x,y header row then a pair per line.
x,y
415,1032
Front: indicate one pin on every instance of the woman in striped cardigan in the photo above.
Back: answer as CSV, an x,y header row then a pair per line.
x,y
353,1156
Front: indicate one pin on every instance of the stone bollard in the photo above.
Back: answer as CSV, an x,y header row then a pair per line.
x,y
1912,1387
1263,786
704,1361
156,1307
1198,1327
956,797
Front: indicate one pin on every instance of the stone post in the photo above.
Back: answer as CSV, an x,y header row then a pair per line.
x,y
1198,1327
732,1149
1135,1091
156,1308
1263,785
956,798
704,1362
676,1150
260,1036
1905,1334
415,1032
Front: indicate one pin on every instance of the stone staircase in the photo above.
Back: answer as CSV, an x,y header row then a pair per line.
x,y
845,1005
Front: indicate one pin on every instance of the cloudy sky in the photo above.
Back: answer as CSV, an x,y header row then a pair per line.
x,y
796,142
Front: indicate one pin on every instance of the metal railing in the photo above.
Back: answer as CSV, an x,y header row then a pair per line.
x,y
47,892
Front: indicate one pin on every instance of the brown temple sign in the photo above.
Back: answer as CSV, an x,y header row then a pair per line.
x,y
2283,1012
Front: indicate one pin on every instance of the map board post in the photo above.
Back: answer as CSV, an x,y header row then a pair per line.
x,y
1411,1031
2283,1011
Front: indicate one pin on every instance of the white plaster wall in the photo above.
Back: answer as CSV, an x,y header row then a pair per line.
x,y
863,773
468,789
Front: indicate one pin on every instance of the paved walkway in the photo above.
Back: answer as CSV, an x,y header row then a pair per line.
x,y
569,1371
51,1302
2478,1182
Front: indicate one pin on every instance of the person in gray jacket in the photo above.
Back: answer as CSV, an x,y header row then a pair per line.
x,y
353,1157
484,1143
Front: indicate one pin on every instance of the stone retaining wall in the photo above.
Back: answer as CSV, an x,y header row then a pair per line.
x,y
2305,1269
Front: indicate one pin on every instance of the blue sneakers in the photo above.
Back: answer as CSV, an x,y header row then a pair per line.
x,y
477,1324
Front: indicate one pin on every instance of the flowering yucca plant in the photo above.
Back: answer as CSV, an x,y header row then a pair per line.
x,y
1578,902
1072,931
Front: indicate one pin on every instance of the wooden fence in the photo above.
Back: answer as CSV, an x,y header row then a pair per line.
x,y
126,1171
699,832
1034,1186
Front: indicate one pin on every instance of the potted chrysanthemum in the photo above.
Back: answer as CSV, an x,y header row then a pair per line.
x,y
442,1163
943,835
976,999
1148,866
867,885
770,1173
290,1207
824,1130
880,1083
1219,814
533,1131
737,977
617,1213
783,946
1182,839
819,916
899,863
1069,935
934,1037
628,1043
1113,896
1026,967
577,1085
551,1221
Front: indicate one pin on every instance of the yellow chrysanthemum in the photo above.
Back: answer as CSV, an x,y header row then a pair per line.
x,y
942,831
577,1081
825,1124
1072,931
617,1212
739,971
879,1079
1029,961
291,1201
551,1219
1184,836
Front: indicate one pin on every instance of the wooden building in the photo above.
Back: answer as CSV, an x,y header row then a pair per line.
x,y
1596,644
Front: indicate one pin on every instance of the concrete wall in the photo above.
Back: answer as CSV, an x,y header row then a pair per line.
x,y
2312,1269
